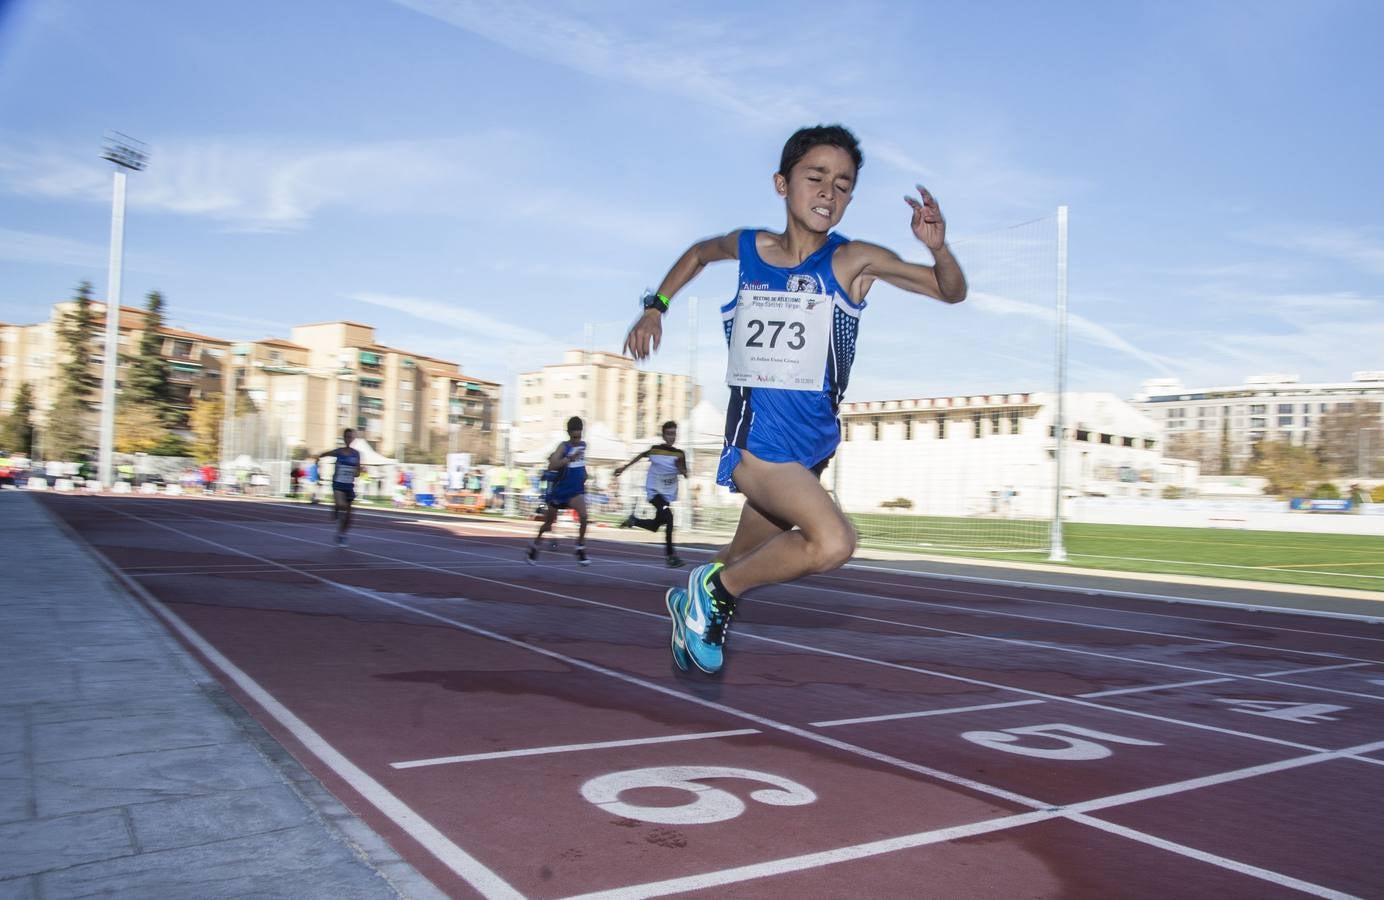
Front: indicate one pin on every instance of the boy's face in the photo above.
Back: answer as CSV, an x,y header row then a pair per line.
x,y
670,435
574,433
819,188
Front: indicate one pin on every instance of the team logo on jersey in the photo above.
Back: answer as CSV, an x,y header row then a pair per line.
x,y
802,284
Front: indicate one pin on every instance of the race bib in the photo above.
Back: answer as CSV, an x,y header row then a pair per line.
x,y
779,340
665,483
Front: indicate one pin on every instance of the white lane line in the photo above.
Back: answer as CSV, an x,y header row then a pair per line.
x,y
1136,595
977,786
466,866
572,748
1039,814
970,610
749,635
814,860
1223,862
917,715
1192,784
1043,645
1153,687
1354,665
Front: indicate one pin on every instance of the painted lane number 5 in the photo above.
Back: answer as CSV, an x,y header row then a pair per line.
x,y
706,805
1072,748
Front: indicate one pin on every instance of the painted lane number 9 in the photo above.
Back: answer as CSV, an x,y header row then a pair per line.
x,y
706,805
757,327
1072,748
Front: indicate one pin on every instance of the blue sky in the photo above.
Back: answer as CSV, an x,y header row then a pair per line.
x,y
482,180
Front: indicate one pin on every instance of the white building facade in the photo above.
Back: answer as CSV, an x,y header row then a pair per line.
x,y
994,455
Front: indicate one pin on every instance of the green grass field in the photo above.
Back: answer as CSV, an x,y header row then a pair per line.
x,y
1327,560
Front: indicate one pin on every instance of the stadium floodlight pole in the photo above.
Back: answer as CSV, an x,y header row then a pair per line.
x,y
127,154
1057,550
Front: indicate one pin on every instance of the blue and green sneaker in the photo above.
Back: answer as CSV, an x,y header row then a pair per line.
x,y
676,598
705,620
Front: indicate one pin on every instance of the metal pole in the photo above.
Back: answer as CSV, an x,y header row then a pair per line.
x,y
127,154
107,447
1057,550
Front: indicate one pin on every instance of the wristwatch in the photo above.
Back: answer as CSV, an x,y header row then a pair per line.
x,y
655,301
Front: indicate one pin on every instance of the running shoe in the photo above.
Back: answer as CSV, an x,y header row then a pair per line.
x,y
341,540
676,600
674,561
581,555
552,544
628,521
705,620
532,555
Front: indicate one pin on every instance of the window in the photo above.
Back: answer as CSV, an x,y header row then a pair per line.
x,y
874,428
182,349
995,422
941,425
976,429
908,428
1106,438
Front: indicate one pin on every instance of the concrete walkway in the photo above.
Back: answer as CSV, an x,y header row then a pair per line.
x,y
125,770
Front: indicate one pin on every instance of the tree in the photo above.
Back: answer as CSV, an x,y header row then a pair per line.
x,y
205,422
1225,447
1352,439
17,431
69,432
138,429
77,330
147,375
1290,470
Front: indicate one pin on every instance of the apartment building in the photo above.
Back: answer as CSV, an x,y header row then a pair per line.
x,y
1264,408
605,389
326,377
335,375
35,354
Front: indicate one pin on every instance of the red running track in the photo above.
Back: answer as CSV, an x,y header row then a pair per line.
x,y
520,731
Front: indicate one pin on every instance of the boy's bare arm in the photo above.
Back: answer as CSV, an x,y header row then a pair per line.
x,y
865,262
943,280
643,339
558,458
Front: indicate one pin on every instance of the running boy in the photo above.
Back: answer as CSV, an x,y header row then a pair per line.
x,y
791,331
666,463
343,483
568,489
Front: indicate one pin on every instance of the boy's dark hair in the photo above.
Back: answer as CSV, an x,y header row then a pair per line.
x,y
804,139
574,423
668,424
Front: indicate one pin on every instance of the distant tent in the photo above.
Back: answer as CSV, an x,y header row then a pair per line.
x,y
368,456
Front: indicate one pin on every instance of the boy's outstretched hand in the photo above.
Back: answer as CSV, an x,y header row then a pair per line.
x,y
928,224
645,335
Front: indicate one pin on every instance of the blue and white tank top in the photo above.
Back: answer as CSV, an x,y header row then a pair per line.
x,y
347,466
811,409
572,477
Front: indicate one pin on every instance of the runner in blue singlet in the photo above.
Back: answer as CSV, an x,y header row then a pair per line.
x,y
567,490
343,482
791,332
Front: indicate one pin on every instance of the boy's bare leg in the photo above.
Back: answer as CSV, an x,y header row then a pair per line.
x,y
752,532
822,538
579,507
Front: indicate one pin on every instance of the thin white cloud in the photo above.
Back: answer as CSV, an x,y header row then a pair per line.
x,y
694,60
32,247
1359,247
1079,327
